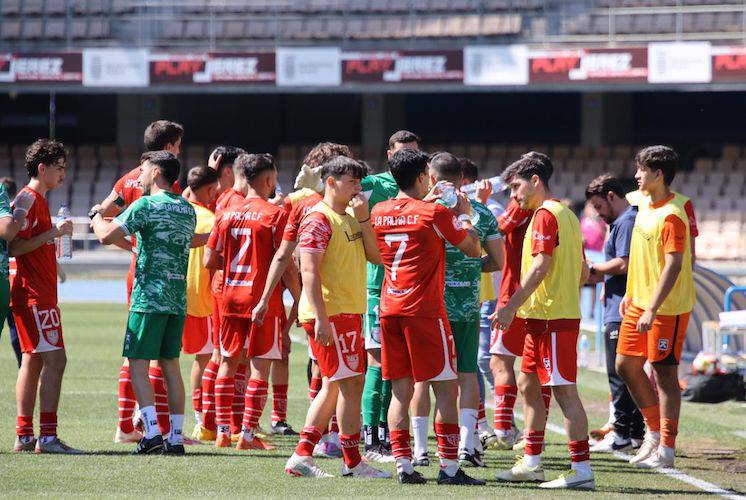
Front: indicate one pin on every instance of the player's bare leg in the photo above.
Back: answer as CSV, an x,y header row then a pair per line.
x,y
420,409
176,403
255,399
632,370
50,387
26,387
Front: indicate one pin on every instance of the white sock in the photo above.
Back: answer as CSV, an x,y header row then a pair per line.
x,y
531,460
583,467
419,432
656,435
150,419
450,467
478,442
666,452
502,433
619,439
404,465
612,419
198,417
468,419
177,427
483,426
224,429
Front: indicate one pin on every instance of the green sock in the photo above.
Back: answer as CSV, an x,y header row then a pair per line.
x,y
385,401
371,402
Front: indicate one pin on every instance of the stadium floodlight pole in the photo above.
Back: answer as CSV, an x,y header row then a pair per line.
x,y
52,114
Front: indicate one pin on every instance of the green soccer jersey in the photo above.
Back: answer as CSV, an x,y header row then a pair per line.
x,y
164,224
5,211
378,188
463,273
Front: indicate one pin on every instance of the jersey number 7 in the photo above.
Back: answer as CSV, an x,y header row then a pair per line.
x,y
402,239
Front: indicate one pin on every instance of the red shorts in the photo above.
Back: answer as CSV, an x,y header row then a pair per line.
x,y
661,344
39,328
420,348
237,334
197,336
345,358
552,356
216,320
509,342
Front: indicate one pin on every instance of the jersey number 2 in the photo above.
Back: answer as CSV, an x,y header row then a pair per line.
x,y
237,233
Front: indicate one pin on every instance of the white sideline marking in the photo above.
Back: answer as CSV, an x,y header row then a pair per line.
x,y
673,473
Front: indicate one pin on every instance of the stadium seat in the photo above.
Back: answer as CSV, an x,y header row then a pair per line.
x,y
10,29
79,28
55,7
10,8
54,29
33,7
32,29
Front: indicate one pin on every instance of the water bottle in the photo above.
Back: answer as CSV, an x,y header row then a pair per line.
x,y
448,195
498,186
64,245
584,356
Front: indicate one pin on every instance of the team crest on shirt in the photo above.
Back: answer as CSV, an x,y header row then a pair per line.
x,y
547,364
662,344
353,361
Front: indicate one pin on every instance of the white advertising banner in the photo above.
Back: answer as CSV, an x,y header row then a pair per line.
x,y
116,68
496,65
680,62
314,67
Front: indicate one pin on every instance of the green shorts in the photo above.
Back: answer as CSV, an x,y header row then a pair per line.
x,y
153,335
466,338
373,320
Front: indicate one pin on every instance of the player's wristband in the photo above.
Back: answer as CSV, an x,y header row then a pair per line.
x,y
363,221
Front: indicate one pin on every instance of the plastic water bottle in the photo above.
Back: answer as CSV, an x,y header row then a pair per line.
x,y
584,348
65,242
448,195
498,186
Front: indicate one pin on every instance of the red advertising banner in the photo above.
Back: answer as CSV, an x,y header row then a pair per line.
x,y
42,67
728,64
214,67
403,66
5,64
617,65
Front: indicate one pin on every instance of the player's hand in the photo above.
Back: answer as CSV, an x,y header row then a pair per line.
x,y
484,190
323,332
623,305
437,191
645,322
23,202
359,206
64,227
463,206
61,274
257,315
502,318
214,162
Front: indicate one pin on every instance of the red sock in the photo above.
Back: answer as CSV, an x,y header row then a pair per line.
x,y
256,398
350,449
239,383
309,437
669,431
400,446
481,415
314,387
505,396
197,400
208,395
546,393
448,437
161,399
24,426
224,390
127,401
334,426
279,402
652,416
579,451
534,442
47,424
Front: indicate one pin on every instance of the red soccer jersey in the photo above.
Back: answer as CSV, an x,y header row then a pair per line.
x,y
128,187
411,235
230,199
36,277
513,223
299,210
247,239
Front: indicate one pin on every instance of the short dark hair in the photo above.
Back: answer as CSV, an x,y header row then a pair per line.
x,y
660,158
251,165
160,133
528,165
446,166
403,137
324,151
228,155
45,151
337,166
469,169
166,163
601,185
406,165
201,176
10,186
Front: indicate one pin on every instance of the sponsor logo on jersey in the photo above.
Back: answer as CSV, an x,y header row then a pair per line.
x,y
458,284
393,291
232,282
540,237
175,276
